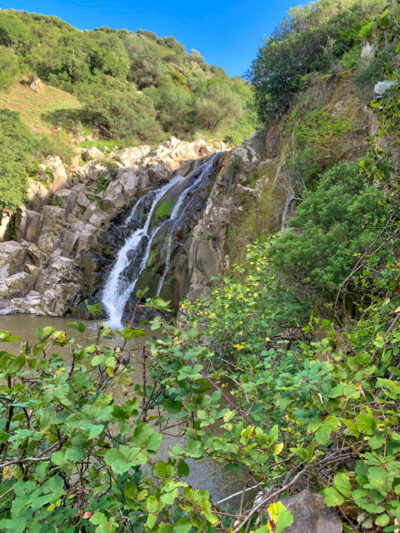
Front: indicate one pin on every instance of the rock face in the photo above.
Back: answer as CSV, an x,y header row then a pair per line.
x,y
207,254
311,515
59,257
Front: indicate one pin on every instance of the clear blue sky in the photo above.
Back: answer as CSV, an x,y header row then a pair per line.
x,y
227,33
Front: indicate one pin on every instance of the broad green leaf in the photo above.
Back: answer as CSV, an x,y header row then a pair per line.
x,y
332,497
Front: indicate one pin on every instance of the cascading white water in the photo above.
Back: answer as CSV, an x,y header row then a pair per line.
x,y
132,258
117,288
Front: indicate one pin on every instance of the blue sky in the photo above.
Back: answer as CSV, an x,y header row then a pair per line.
x,y
227,33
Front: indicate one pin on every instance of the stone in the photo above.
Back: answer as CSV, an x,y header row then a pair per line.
x,y
367,52
97,218
62,197
382,86
5,225
92,153
12,258
57,169
129,181
113,196
37,85
36,190
310,514
16,285
132,156
69,240
28,224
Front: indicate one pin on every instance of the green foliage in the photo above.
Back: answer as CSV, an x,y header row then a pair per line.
x,y
19,149
319,140
9,68
247,309
120,113
375,69
333,225
73,455
100,64
310,39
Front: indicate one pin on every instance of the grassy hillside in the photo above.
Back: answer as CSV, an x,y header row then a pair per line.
x,y
135,86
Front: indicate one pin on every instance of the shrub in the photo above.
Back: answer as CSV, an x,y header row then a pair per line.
x,y
334,224
19,149
9,68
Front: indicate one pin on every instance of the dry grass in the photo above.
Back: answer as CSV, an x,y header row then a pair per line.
x,y
33,107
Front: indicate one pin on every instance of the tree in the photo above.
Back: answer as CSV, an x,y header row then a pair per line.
x,y
216,106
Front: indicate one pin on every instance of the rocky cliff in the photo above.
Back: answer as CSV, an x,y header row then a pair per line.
x,y
51,251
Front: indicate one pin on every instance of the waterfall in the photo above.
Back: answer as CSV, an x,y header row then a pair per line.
x,y
132,258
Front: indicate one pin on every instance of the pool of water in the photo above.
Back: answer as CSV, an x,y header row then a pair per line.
x,y
205,473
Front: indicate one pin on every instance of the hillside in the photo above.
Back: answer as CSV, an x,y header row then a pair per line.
x,y
135,86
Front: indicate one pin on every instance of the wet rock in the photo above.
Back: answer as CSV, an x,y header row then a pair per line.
x,y
311,515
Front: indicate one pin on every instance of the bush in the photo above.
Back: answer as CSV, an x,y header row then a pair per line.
x,y
19,149
310,39
117,112
333,225
9,68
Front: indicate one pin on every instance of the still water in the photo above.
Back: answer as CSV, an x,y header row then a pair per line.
x,y
204,474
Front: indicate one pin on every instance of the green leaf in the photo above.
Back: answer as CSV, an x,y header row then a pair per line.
x,y
366,423
342,484
279,516
152,504
93,309
123,458
183,468
164,470
332,497
79,327
44,333
151,521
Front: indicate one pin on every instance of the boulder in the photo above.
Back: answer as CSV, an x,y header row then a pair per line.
x,y
12,258
113,196
37,85
36,190
16,285
92,153
5,225
129,181
310,514
28,224
57,169
382,86
132,156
